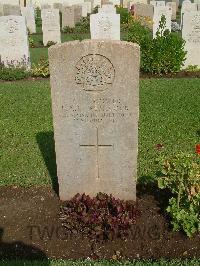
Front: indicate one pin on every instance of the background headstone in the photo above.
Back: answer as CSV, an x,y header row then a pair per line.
x,y
51,26
187,6
29,14
144,10
68,19
191,34
1,10
107,9
105,26
172,5
77,13
14,47
158,12
95,123
9,10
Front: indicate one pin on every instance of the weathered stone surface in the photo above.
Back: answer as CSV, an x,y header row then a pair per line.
x,y
77,13
191,34
143,10
172,5
95,101
1,10
105,26
10,2
46,6
51,25
29,14
187,6
58,6
9,10
107,9
68,19
14,41
84,9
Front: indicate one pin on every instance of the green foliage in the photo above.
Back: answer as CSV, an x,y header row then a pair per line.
x,y
50,43
81,27
38,19
124,14
192,68
181,175
41,69
95,10
31,42
68,29
13,73
163,54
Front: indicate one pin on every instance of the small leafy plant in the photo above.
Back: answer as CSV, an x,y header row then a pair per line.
x,y
41,69
50,43
102,217
31,42
180,174
192,68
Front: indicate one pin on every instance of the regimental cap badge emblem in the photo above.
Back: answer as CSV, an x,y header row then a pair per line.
x,y
95,72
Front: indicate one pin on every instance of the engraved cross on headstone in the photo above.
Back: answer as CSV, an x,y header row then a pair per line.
x,y
97,145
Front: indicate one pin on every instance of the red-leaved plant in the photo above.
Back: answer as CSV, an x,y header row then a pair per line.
x,y
197,149
102,217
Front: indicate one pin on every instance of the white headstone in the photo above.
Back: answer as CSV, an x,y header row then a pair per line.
x,y
105,26
160,3
14,47
187,6
29,14
107,9
159,11
172,5
84,8
89,7
191,34
51,26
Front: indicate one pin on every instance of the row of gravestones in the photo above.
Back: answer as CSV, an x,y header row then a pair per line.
x,y
104,25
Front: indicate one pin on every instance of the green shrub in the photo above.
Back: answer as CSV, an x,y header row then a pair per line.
x,y
180,174
81,27
11,72
163,54
41,69
68,29
31,42
124,15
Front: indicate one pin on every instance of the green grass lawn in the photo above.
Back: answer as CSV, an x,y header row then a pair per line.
x,y
169,115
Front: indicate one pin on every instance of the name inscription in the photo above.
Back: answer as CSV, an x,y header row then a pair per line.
x,y
98,111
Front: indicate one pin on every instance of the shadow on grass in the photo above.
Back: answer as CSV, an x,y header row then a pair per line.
x,y
19,251
46,144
